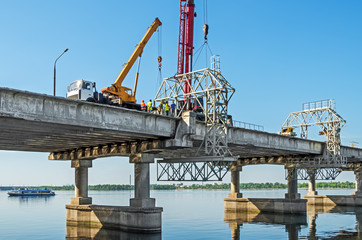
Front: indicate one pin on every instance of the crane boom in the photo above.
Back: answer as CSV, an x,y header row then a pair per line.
x,y
119,91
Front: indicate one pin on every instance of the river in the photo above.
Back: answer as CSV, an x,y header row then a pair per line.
x,y
187,214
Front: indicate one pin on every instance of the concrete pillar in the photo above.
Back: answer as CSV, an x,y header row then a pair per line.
x,y
81,182
292,184
311,184
142,180
235,184
359,221
358,183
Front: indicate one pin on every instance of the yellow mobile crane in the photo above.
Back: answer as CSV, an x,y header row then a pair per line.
x,y
115,94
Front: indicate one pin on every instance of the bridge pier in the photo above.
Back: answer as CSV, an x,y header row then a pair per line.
x,y
235,184
292,184
290,204
358,182
142,180
81,182
311,185
355,199
140,216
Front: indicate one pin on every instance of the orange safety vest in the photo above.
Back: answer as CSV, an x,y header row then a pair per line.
x,y
143,106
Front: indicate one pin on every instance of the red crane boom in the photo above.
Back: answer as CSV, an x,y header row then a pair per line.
x,y
185,48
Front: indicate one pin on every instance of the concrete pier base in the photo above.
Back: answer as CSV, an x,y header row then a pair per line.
x,y
334,200
276,205
124,218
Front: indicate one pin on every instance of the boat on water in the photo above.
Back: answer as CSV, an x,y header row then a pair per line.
x,y
31,192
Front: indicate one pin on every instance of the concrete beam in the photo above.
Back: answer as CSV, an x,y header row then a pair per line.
x,y
109,150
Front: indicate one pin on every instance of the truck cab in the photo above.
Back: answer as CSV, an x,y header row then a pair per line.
x,y
81,90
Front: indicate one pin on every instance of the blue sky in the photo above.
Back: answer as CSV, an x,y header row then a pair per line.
x,y
277,54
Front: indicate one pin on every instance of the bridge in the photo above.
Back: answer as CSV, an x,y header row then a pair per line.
x,y
80,132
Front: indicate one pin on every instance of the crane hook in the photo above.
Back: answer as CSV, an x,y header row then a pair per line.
x,y
205,28
159,59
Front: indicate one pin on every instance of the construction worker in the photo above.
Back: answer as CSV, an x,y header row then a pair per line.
x,y
143,105
149,106
167,108
173,108
160,108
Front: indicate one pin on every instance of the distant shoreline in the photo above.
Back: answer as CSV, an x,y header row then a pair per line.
x,y
216,186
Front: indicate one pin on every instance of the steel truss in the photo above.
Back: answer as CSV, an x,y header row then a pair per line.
x,y
188,170
316,173
322,114
209,94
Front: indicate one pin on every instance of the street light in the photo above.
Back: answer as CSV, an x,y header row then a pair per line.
x,y
55,68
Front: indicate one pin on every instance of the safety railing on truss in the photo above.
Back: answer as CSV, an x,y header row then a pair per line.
x,y
329,103
245,125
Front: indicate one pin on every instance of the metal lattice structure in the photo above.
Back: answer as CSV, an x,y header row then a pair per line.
x,y
321,114
209,95
197,170
316,174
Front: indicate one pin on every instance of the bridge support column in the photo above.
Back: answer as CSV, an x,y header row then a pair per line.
x,y
81,182
235,184
292,184
142,180
358,182
140,216
311,185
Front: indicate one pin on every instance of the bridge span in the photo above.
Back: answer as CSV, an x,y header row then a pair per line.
x,y
82,131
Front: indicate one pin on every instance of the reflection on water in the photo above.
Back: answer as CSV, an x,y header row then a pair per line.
x,y
187,215
351,232
31,199
291,222
331,228
79,232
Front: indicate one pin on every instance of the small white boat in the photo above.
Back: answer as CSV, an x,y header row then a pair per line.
x,y
29,192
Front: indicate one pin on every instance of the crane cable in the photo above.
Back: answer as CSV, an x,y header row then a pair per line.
x,y
205,44
159,58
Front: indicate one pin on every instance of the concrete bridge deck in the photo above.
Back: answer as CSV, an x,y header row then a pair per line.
x,y
42,123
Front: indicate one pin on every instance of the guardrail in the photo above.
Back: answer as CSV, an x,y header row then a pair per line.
x,y
329,103
246,125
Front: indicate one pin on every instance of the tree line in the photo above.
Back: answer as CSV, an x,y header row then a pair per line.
x,y
217,186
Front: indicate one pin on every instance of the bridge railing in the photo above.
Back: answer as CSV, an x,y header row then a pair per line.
x,y
329,103
246,125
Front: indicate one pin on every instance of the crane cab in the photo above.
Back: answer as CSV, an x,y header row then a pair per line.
x,y
81,90
122,93
288,132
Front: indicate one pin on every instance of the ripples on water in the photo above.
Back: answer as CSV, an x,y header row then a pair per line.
x,y
188,214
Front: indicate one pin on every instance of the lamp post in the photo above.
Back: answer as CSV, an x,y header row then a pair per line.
x,y
55,68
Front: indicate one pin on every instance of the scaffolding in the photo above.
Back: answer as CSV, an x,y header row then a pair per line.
x,y
321,114
209,96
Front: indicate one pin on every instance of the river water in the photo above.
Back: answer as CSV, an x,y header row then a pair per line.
x,y
187,214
